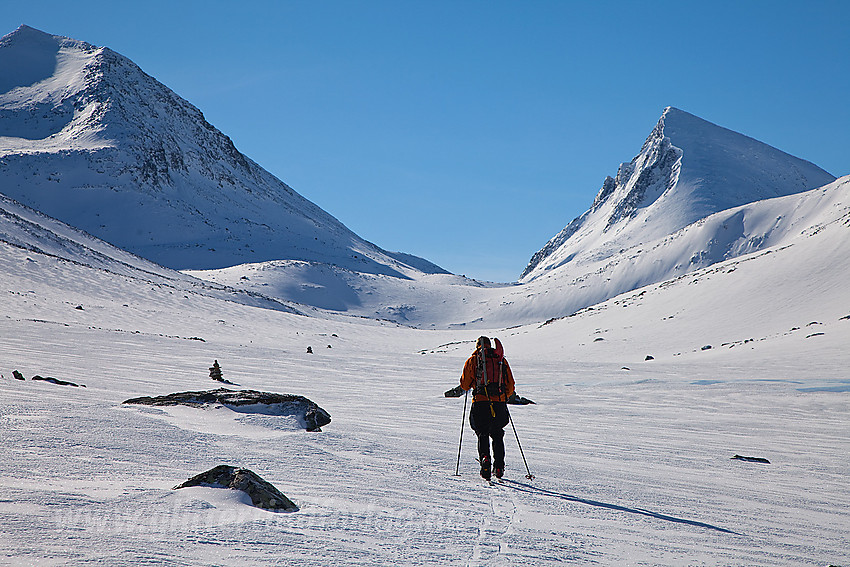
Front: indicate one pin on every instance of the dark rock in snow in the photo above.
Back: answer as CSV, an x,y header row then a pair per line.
x,y
17,375
649,357
706,347
263,494
751,459
311,416
57,382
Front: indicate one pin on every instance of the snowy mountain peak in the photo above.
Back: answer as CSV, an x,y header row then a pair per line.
x,y
687,169
89,138
29,56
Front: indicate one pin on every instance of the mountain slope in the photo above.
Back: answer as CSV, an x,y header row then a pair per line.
x,y
87,137
32,243
739,232
686,170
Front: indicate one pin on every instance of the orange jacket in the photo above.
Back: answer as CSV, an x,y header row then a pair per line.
x,y
467,380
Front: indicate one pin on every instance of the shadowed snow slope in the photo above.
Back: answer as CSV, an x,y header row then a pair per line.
x,y
27,235
87,137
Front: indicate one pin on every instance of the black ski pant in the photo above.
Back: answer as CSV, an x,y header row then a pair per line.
x,y
489,426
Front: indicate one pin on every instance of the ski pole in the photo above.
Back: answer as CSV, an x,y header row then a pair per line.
x,y
529,476
460,443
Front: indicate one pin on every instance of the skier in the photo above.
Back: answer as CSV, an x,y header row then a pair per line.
x,y
488,374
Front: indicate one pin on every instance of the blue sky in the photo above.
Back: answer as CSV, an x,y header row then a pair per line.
x,y
470,133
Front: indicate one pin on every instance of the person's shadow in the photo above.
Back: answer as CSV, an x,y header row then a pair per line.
x,y
527,488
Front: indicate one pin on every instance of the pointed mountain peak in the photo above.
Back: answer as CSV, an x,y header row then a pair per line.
x,y
22,31
28,56
686,170
28,35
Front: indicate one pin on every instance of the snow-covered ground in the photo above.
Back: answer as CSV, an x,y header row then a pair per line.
x,y
633,466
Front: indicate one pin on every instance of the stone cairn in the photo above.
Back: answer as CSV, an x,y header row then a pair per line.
x,y
215,372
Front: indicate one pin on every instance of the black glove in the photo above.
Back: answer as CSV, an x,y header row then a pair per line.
x,y
519,400
455,392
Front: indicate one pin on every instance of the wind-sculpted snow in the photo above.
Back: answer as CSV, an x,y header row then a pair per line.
x,y
310,415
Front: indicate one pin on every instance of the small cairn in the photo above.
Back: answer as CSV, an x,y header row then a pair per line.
x,y
215,372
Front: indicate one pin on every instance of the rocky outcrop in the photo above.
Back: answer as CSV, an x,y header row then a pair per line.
x,y
262,493
751,459
57,381
310,415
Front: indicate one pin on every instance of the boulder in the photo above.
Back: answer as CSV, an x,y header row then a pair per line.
x,y
311,416
263,494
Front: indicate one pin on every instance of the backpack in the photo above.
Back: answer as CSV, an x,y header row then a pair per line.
x,y
489,375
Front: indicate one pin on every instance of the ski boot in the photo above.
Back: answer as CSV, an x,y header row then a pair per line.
x,y
499,471
485,467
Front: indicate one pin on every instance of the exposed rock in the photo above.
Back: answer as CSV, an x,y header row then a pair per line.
x,y
57,381
17,375
751,459
263,494
311,416
649,357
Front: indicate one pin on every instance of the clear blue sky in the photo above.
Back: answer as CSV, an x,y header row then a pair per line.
x,y
466,132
